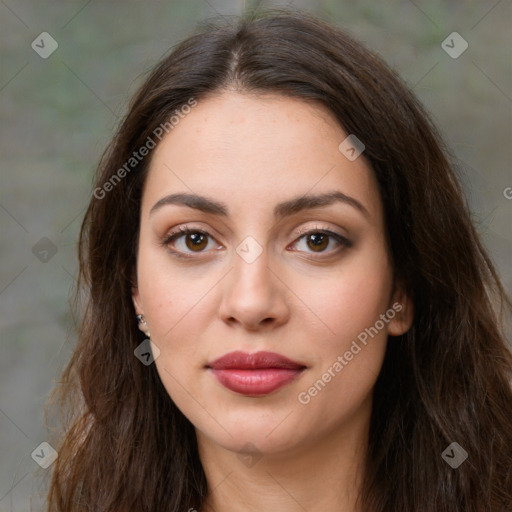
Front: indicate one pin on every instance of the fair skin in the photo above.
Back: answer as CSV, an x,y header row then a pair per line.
x,y
307,302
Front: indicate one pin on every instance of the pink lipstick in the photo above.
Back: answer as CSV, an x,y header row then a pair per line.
x,y
254,374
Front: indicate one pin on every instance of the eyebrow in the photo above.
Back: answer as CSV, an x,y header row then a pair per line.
x,y
281,210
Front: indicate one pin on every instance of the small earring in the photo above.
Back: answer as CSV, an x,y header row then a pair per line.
x,y
141,320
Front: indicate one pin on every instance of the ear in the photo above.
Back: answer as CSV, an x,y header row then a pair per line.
x,y
136,295
401,303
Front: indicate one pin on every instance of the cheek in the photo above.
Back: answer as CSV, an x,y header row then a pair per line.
x,y
343,304
351,344
170,292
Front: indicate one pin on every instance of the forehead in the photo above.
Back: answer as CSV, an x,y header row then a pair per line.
x,y
253,151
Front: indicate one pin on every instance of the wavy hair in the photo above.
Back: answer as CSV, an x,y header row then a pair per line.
x,y
128,447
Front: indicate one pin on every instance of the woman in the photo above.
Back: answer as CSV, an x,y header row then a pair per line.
x,y
288,307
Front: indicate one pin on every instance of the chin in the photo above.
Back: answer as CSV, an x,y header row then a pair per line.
x,y
262,438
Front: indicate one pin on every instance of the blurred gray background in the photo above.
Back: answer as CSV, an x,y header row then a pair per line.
x,y
59,112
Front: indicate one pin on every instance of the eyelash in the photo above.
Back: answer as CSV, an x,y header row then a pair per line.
x,y
182,231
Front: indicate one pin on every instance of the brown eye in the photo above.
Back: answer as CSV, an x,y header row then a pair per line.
x,y
185,241
317,241
196,241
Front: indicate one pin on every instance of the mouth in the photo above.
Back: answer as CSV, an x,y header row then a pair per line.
x,y
255,374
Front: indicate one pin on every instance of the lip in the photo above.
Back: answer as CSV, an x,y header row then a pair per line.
x,y
254,374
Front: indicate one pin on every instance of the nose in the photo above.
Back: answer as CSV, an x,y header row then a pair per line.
x,y
254,297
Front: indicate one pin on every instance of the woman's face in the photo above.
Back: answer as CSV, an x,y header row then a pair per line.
x,y
247,277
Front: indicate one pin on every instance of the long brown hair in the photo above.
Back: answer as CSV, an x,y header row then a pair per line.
x,y
448,379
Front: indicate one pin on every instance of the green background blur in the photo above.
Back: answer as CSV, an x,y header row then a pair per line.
x,y
57,115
